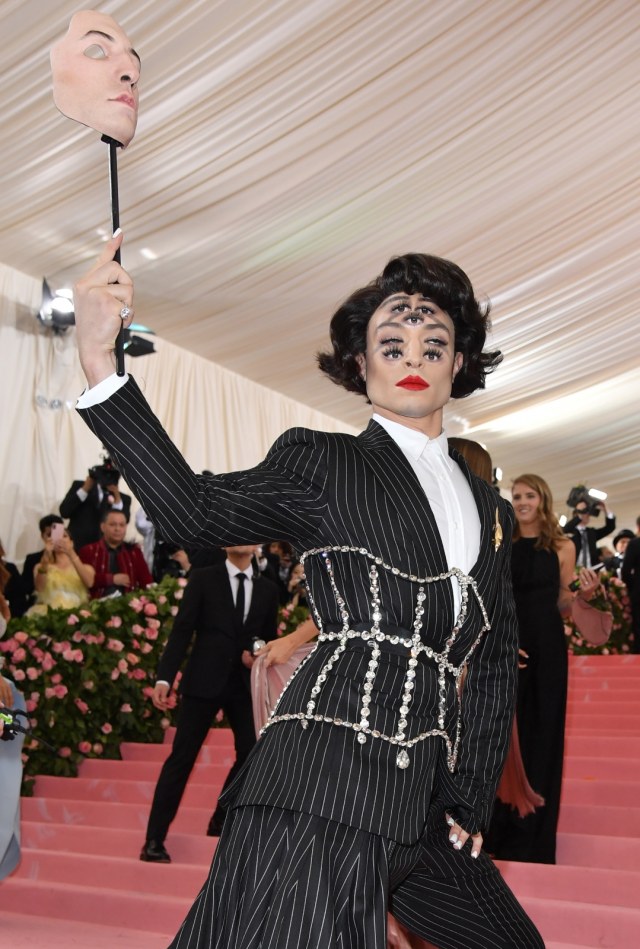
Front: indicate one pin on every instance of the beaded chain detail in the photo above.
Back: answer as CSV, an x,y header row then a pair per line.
x,y
374,637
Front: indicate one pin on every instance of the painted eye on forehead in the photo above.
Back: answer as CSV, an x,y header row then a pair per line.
x,y
95,52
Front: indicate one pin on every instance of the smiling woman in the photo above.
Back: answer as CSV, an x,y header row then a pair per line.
x,y
95,76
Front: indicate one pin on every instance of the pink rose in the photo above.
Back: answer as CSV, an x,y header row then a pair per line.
x,y
136,629
115,674
48,662
49,693
37,654
138,674
78,655
88,684
126,708
60,691
78,636
72,620
31,705
32,673
182,582
164,723
146,648
68,655
20,637
98,748
174,610
115,622
64,752
132,659
162,599
151,633
85,613
115,645
19,675
100,638
84,708
178,594
122,665
136,604
151,609
56,678
84,747
107,728
19,655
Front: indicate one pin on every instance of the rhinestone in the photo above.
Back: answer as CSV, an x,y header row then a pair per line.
x,y
362,738
402,759
400,736
404,709
411,674
304,723
322,678
402,724
366,699
337,721
409,686
315,690
377,617
413,663
395,640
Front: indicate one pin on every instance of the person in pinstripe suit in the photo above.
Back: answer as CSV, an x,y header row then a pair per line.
x,y
375,775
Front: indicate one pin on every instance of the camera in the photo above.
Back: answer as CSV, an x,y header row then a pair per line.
x,y
580,494
106,473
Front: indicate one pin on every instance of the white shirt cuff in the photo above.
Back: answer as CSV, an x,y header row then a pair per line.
x,y
82,494
103,391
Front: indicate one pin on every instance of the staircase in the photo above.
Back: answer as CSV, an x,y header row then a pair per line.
x,y
81,883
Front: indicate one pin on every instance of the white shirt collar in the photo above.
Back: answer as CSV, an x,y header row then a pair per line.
x,y
414,443
234,571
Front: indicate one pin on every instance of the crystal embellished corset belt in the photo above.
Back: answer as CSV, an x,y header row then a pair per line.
x,y
375,636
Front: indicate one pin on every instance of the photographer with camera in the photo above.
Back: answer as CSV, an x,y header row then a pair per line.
x,y
586,538
86,501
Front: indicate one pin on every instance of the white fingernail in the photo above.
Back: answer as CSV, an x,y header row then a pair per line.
x,y
474,854
453,838
450,821
117,231
457,846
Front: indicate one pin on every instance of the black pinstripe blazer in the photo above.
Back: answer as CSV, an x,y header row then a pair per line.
x,y
317,489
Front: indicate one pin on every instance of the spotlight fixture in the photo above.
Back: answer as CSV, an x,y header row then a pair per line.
x,y
56,311
136,345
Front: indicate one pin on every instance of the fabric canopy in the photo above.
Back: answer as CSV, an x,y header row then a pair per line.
x,y
287,148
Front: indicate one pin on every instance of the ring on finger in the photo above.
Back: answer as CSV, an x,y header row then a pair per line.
x,y
125,312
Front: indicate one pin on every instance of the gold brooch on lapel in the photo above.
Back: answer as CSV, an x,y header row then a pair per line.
x,y
497,533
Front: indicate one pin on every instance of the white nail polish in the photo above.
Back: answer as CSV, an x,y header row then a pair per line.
x,y
453,838
474,854
450,821
117,232
458,845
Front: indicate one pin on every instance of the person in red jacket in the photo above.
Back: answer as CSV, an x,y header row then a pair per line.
x,y
119,566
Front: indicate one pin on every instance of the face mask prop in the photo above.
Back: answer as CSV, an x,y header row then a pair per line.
x,y
95,74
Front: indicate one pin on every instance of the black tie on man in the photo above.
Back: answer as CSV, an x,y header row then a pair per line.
x,y
227,608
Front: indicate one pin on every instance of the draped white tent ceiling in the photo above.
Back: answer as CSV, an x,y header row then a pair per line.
x,y
287,148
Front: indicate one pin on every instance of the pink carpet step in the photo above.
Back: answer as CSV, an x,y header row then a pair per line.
x,y
129,910
148,770
625,769
216,750
33,932
198,793
597,850
581,724
216,736
585,924
110,814
601,792
577,884
603,747
194,849
586,819
120,873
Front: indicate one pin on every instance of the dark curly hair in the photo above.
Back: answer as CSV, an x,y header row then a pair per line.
x,y
436,279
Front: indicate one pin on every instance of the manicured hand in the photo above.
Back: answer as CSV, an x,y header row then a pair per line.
x,y
458,837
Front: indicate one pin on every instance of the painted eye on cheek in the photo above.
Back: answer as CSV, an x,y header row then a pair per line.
x,y
95,52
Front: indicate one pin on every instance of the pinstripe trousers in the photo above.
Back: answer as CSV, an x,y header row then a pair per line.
x,y
285,880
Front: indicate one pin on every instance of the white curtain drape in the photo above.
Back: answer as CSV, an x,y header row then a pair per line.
x,y
218,419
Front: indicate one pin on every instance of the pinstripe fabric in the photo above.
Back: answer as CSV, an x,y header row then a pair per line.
x,y
286,880
316,489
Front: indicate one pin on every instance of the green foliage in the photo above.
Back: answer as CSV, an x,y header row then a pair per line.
x,y
612,596
87,676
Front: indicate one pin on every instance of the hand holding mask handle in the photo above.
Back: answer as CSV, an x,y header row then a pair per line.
x,y
115,224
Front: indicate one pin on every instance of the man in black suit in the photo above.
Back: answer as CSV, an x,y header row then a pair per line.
x,y
376,774
586,538
86,501
631,577
229,608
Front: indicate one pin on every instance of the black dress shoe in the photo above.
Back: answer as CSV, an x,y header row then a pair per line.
x,y
215,825
154,852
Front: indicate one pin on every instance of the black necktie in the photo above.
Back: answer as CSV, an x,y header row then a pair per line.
x,y
239,608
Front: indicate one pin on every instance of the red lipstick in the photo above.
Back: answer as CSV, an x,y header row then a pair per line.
x,y
413,383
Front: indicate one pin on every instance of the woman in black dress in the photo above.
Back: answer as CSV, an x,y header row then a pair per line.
x,y
542,569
